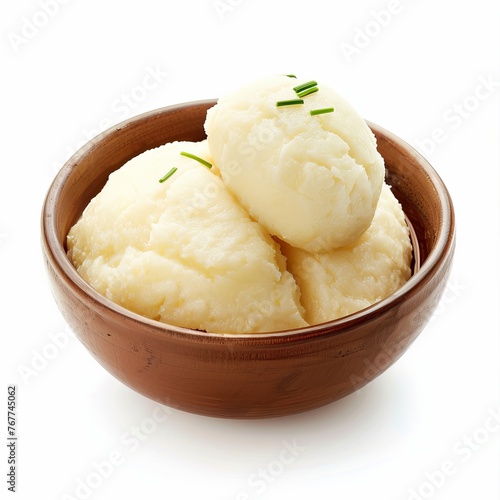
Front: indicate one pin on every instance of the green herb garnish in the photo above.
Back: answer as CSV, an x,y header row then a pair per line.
x,y
197,158
307,91
304,86
321,111
168,174
290,102
291,76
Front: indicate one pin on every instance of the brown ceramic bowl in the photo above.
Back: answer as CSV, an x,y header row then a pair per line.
x,y
244,376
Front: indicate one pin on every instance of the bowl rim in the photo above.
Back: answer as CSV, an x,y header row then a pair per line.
x,y
56,254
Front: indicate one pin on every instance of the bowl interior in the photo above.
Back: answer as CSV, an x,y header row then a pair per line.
x,y
416,188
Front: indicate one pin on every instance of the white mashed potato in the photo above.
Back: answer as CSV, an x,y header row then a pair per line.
x,y
348,279
183,251
196,250
313,181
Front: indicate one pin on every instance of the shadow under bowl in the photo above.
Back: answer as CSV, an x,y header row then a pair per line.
x,y
244,376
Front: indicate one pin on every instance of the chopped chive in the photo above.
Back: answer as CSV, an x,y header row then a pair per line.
x,y
321,111
307,91
197,158
290,102
168,174
291,76
304,86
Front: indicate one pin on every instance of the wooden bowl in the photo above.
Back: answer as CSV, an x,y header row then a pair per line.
x,y
244,376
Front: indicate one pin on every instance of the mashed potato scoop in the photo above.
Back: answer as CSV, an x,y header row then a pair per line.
x,y
183,251
346,280
304,163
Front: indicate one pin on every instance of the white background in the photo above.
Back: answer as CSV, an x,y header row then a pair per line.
x,y
67,75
